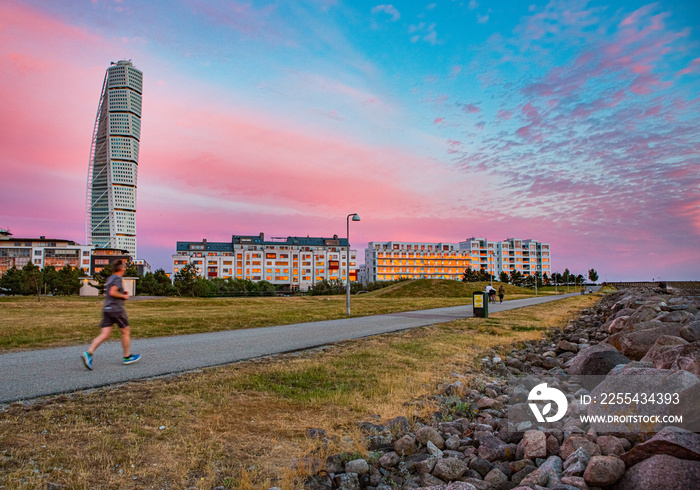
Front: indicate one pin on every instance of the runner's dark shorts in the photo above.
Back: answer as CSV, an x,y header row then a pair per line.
x,y
109,318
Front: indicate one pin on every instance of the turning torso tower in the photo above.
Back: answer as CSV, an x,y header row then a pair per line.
x,y
114,159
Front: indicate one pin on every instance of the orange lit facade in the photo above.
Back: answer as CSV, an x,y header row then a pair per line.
x,y
387,261
296,262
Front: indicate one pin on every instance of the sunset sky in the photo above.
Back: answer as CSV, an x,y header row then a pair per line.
x,y
571,122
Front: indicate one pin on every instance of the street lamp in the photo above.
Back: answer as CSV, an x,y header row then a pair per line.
x,y
355,217
493,267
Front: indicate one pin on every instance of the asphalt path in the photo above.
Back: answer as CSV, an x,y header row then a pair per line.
x,y
31,374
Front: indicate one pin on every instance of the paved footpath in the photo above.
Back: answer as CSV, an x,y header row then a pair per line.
x,y
31,374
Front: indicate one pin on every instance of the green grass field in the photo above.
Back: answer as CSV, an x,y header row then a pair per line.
x,y
26,323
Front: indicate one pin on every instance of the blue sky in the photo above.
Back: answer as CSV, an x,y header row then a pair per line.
x,y
574,123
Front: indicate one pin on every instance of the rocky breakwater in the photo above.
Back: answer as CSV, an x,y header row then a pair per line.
x,y
478,442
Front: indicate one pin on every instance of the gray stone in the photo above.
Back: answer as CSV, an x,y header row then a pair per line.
x,y
618,324
534,444
347,481
424,464
405,446
572,443
496,478
477,484
359,466
610,445
389,460
691,331
662,353
449,469
547,475
688,407
575,481
635,345
493,449
688,358
485,403
661,472
433,449
578,365
428,480
565,345
603,471
679,443
522,474
398,425
676,317
481,466
452,443
425,434
552,445
643,314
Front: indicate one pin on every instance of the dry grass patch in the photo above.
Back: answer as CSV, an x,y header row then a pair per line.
x,y
242,425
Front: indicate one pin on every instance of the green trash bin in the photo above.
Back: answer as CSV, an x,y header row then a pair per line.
x,y
481,304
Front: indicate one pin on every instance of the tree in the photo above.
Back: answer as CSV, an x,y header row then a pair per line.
x,y
101,278
33,280
185,280
566,276
67,281
155,284
593,275
11,282
503,277
131,270
516,278
545,279
50,276
471,275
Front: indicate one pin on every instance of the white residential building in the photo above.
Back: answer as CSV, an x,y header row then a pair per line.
x,y
296,262
387,261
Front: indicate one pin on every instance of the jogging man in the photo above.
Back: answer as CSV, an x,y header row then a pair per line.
x,y
113,312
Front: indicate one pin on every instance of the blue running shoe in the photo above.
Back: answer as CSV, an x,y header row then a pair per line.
x,y
132,358
87,360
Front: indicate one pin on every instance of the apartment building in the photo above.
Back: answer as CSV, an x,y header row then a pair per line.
x,y
295,262
42,251
387,261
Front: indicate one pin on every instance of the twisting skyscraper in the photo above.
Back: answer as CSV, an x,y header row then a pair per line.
x,y
114,158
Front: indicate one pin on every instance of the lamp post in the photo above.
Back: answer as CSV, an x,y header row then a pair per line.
x,y
355,217
493,267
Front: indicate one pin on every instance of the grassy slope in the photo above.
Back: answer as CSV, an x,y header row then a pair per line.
x,y
444,288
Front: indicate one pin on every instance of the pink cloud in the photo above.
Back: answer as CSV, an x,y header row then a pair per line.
x,y
692,67
471,109
438,120
504,115
635,16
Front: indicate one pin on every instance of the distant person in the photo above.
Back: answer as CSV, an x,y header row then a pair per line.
x,y
492,294
113,312
501,293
